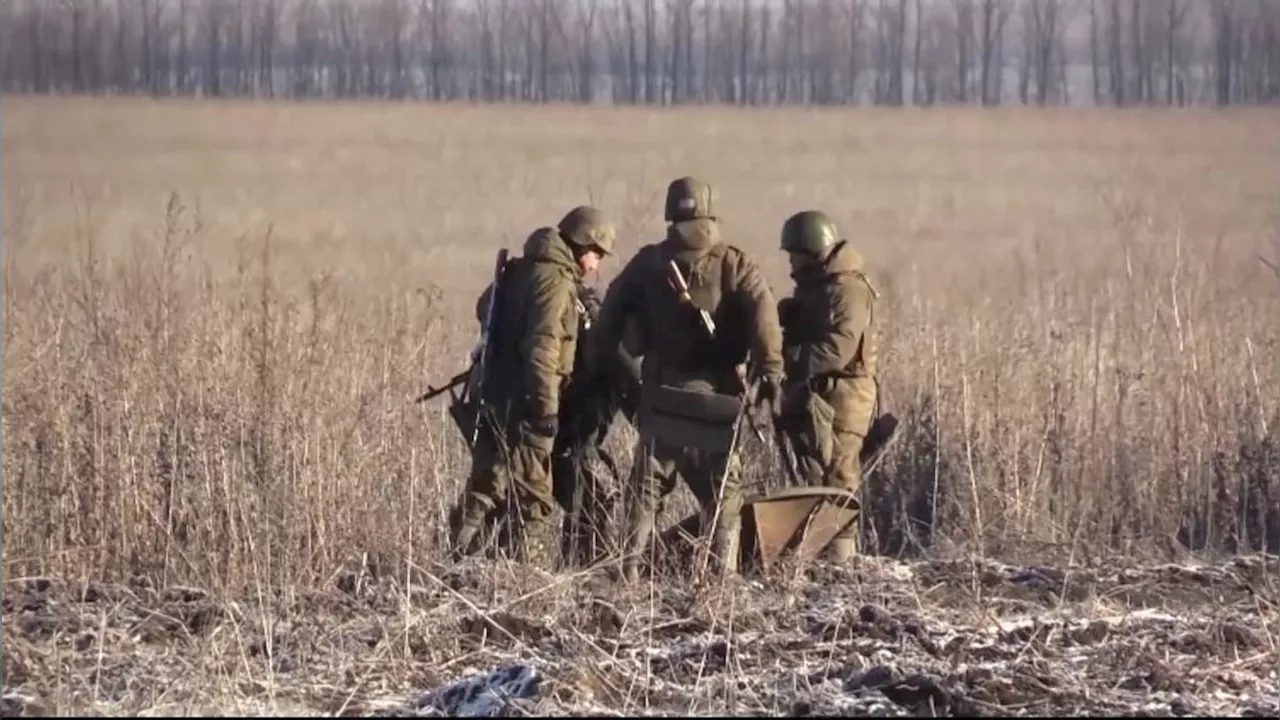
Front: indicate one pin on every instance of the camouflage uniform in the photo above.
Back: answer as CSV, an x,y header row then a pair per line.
x,y
587,409
831,351
534,355
677,352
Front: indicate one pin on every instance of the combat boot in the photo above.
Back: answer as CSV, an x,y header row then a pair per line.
x,y
525,537
467,523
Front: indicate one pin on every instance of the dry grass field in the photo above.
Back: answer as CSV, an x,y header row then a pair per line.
x,y
216,317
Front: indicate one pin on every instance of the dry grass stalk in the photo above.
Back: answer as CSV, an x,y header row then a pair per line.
x,y
215,316
210,338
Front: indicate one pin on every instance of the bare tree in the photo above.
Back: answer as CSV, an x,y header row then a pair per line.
x,y
633,55
744,56
994,15
504,39
615,59
587,22
488,51
890,34
447,50
897,55
855,21
1116,55
1270,64
1045,20
1224,42
213,45
826,52
784,71
395,14
746,52
1141,76
963,10
238,44
1173,25
79,12
1095,61
1256,58
936,51
651,94
915,53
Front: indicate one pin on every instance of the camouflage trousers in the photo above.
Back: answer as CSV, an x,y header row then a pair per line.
x,y
825,454
711,477
510,483
835,463
583,494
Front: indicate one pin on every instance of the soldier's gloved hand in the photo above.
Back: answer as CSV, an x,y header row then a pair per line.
x,y
541,432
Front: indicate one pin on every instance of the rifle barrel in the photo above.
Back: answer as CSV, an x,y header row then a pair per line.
x,y
433,392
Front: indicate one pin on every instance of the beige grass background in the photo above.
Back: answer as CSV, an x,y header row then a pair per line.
x,y
216,316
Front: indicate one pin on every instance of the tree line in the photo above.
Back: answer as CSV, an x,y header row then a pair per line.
x,y
642,52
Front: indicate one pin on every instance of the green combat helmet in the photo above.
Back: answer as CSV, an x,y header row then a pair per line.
x,y
586,227
688,199
811,232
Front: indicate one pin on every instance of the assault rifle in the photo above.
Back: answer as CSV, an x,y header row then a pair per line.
x,y
435,392
467,407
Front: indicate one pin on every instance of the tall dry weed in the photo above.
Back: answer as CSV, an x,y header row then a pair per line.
x,y
216,316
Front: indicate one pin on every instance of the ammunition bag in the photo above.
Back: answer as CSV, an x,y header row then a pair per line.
x,y
688,418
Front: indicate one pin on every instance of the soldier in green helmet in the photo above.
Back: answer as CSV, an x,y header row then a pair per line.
x,y
830,350
537,321
683,357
